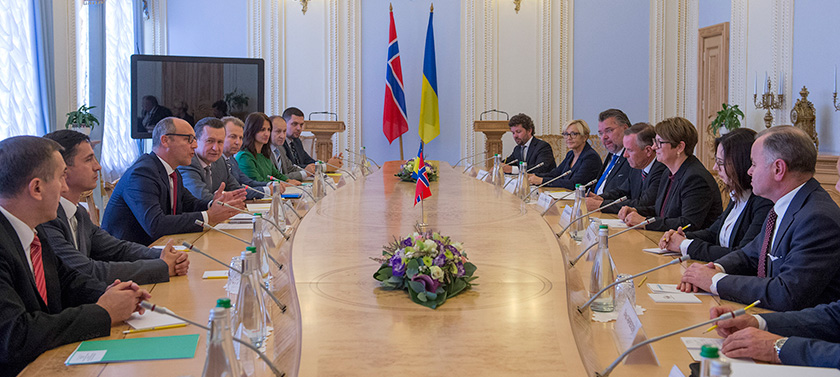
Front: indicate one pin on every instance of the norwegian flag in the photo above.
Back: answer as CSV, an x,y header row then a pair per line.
x,y
394,119
422,191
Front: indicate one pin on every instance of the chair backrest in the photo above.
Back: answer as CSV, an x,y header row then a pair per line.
x,y
106,189
558,145
595,143
87,198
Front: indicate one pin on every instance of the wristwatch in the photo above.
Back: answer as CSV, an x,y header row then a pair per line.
x,y
778,346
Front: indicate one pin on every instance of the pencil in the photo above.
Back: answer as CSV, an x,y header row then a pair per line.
x,y
156,328
643,281
746,308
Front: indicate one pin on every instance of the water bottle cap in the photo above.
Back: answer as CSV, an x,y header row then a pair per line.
x,y
257,214
251,249
708,351
577,185
223,303
603,226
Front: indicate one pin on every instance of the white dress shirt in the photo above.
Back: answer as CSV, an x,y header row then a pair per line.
x,y
728,224
70,210
780,207
515,168
24,233
169,172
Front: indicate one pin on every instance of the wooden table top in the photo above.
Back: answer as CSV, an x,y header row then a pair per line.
x,y
520,319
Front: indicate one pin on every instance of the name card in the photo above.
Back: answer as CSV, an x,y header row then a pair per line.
x,y
590,238
566,216
482,174
544,201
510,184
629,332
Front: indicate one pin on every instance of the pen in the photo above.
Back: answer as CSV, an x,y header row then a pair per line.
x,y
156,328
746,308
683,228
643,281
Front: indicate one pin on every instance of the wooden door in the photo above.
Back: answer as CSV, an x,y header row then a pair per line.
x,y
713,86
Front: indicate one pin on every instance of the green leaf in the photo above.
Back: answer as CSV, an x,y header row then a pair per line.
x,y
469,269
412,268
416,286
456,287
422,296
383,273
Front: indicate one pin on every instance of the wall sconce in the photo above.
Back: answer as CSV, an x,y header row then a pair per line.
x,y
304,4
516,4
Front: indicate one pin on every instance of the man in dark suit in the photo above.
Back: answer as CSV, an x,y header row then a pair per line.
x,y
234,130
792,263
280,155
43,302
528,148
84,246
208,171
642,183
294,147
152,113
611,126
142,208
809,337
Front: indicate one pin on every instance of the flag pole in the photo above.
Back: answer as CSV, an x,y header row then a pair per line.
x,y
401,149
422,223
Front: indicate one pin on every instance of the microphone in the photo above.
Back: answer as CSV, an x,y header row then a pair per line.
x,y
641,224
286,236
606,372
554,201
621,199
276,263
534,167
293,208
266,290
619,281
162,310
254,190
366,157
471,165
463,159
344,170
552,180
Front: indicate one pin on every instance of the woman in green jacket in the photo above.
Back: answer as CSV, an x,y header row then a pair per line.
x,y
254,158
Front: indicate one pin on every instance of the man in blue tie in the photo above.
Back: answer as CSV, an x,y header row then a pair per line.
x,y
611,126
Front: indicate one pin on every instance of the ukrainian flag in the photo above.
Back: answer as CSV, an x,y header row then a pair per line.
x,y
429,113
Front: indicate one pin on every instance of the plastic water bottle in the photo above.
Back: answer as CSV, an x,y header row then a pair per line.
x,y
602,274
260,243
708,354
277,211
319,184
496,176
523,188
249,318
577,228
720,368
221,359
365,164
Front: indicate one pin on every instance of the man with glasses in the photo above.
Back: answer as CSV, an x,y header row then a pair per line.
x,y
528,148
611,126
150,200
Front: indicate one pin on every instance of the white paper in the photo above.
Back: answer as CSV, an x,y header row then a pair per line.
x,y
85,357
561,195
671,288
258,207
481,175
611,316
218,274
544,201
614,223
231,226
176,247
656,250
150,319
674,298
566,216
698,342
675,372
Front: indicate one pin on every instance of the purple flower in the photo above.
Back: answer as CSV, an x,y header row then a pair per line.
x,y
397,266
460,267
407,242
454,250
439,260
431,285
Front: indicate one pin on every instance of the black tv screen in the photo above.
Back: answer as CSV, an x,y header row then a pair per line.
x,y
192,88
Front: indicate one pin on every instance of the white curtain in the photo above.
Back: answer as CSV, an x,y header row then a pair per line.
x,y
20,103
118,149
82,57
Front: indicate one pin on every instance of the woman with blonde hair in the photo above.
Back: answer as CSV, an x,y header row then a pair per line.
x,y
582,159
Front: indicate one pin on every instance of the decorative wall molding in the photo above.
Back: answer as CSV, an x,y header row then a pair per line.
x,y
656,72
783,56
673,62
345,71
563,17
160,36
738,27
468,73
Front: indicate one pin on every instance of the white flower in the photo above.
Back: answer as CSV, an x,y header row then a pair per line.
x,y
436,273
429,244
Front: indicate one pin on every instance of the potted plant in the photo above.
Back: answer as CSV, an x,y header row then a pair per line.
x,y
236,100
81,120
727,119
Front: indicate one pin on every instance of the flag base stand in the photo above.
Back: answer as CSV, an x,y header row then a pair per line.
x,y
422,225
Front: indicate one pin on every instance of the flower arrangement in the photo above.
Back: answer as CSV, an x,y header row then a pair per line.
x,y
407,171
428,265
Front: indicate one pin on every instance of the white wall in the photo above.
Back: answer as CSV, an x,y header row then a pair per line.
x,y
207,28
713,12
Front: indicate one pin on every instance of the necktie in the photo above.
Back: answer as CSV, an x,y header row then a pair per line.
x,y
765,246
603,178
644,175
208,177
174,177
667,194
295,159
38,267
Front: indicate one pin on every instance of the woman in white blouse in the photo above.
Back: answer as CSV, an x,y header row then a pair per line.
x,y
744,216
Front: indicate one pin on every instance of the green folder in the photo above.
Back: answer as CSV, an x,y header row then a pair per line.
x,y
135,349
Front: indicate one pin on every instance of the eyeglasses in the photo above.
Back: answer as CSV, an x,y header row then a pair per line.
x,y
190,138
572,134
719,162
606,131
658,142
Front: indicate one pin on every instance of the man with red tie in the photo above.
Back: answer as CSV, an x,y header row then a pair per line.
x,y
792,263
44,303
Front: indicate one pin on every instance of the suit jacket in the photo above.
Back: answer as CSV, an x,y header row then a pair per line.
x,y
706,244
584,170
804,271
140,209
195,179
300,158
617,176
28,326
239,175
814,335
101,255
284,165
694,198
640,193
538,151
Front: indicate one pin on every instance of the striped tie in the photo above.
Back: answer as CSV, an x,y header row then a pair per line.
x,y
765,246
38,267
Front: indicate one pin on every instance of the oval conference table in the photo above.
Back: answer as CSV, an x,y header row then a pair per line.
x,y
520,318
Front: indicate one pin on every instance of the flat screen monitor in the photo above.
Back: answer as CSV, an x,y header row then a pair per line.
x,y
192,88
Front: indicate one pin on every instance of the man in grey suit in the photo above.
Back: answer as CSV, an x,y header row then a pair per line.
x,y
278,151
792,263
208,171
84,246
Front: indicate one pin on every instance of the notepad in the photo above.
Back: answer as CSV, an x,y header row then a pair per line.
x,y
674,298
176,247
150,319
232,226
656,250
614,223
219,274
134,349
560,195
672,288
258,207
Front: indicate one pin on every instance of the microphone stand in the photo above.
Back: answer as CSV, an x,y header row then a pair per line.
x,y
621,199
340,169
473,164
463,159
162,310
368,158
203,224
282,232
619,281
552,180
606,372
643,223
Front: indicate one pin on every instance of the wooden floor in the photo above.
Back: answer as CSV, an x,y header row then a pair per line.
x,y
519,320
